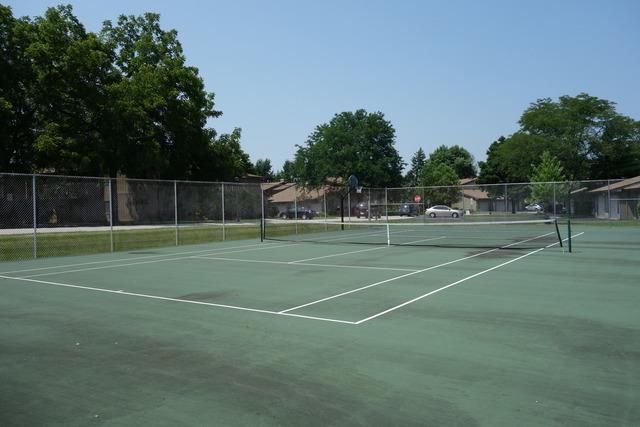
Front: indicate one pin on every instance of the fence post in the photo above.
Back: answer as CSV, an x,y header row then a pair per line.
x,y
349,204
262,221
295,205
369,203
386,203
175,207
554,199
224,234
324,203
609,198
110,216
506,198
35,217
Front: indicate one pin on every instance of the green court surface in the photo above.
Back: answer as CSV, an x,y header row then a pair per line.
x,y
296,333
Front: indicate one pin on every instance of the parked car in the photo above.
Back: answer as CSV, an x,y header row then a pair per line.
x,y
362,210
303,213
408,210
442,210
534,207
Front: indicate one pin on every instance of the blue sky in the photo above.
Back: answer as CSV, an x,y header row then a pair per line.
x,y
452,72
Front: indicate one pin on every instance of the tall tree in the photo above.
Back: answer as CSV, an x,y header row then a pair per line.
x,y
456,157
545,173
589,137
357,143
418,160
17,121
289,172
123,101
445,178
160,107
263,168
229,161
511,160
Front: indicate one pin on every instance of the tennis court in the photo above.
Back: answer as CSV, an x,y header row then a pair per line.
x,y
299,332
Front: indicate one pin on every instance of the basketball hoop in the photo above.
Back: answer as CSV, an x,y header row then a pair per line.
x,y
359,189
352,182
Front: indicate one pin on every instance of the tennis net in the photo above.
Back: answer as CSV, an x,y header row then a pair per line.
x,y
492,234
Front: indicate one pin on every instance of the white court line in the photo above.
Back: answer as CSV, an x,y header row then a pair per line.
x,y
364,250
150,262
156,297
462,280
411,274
134,258
334,255
377,233
365,267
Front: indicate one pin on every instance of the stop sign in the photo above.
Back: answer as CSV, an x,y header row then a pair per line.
x,y
417,198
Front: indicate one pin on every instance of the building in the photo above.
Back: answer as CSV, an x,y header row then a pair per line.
x,y
620,200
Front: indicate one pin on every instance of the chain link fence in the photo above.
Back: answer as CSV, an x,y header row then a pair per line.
x,y
47,215
595,199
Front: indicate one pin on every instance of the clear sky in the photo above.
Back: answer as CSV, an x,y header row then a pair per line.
x,y
443,72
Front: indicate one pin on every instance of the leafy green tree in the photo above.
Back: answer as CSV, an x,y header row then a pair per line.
x,y
418,160
545,173
59,70
229,160
358,143
121,101
589,137
160,105
289,172
511,160
458,158
17,121
263,168
444,176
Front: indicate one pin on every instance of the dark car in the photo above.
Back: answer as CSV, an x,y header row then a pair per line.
x,y
408,210
303,213
362,210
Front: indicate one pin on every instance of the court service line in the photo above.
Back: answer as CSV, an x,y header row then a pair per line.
x,y
365,250
134,258
409,274
377,233
257,261
150,262
157,297
461,281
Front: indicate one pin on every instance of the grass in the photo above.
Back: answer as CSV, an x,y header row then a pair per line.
x,y
17,247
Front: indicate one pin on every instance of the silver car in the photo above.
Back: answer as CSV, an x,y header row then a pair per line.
x,y
442,210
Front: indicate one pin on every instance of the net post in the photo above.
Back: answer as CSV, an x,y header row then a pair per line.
x,y
388,235
261,214
224,234
110,215
175,208
555,223
35,216
569,236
